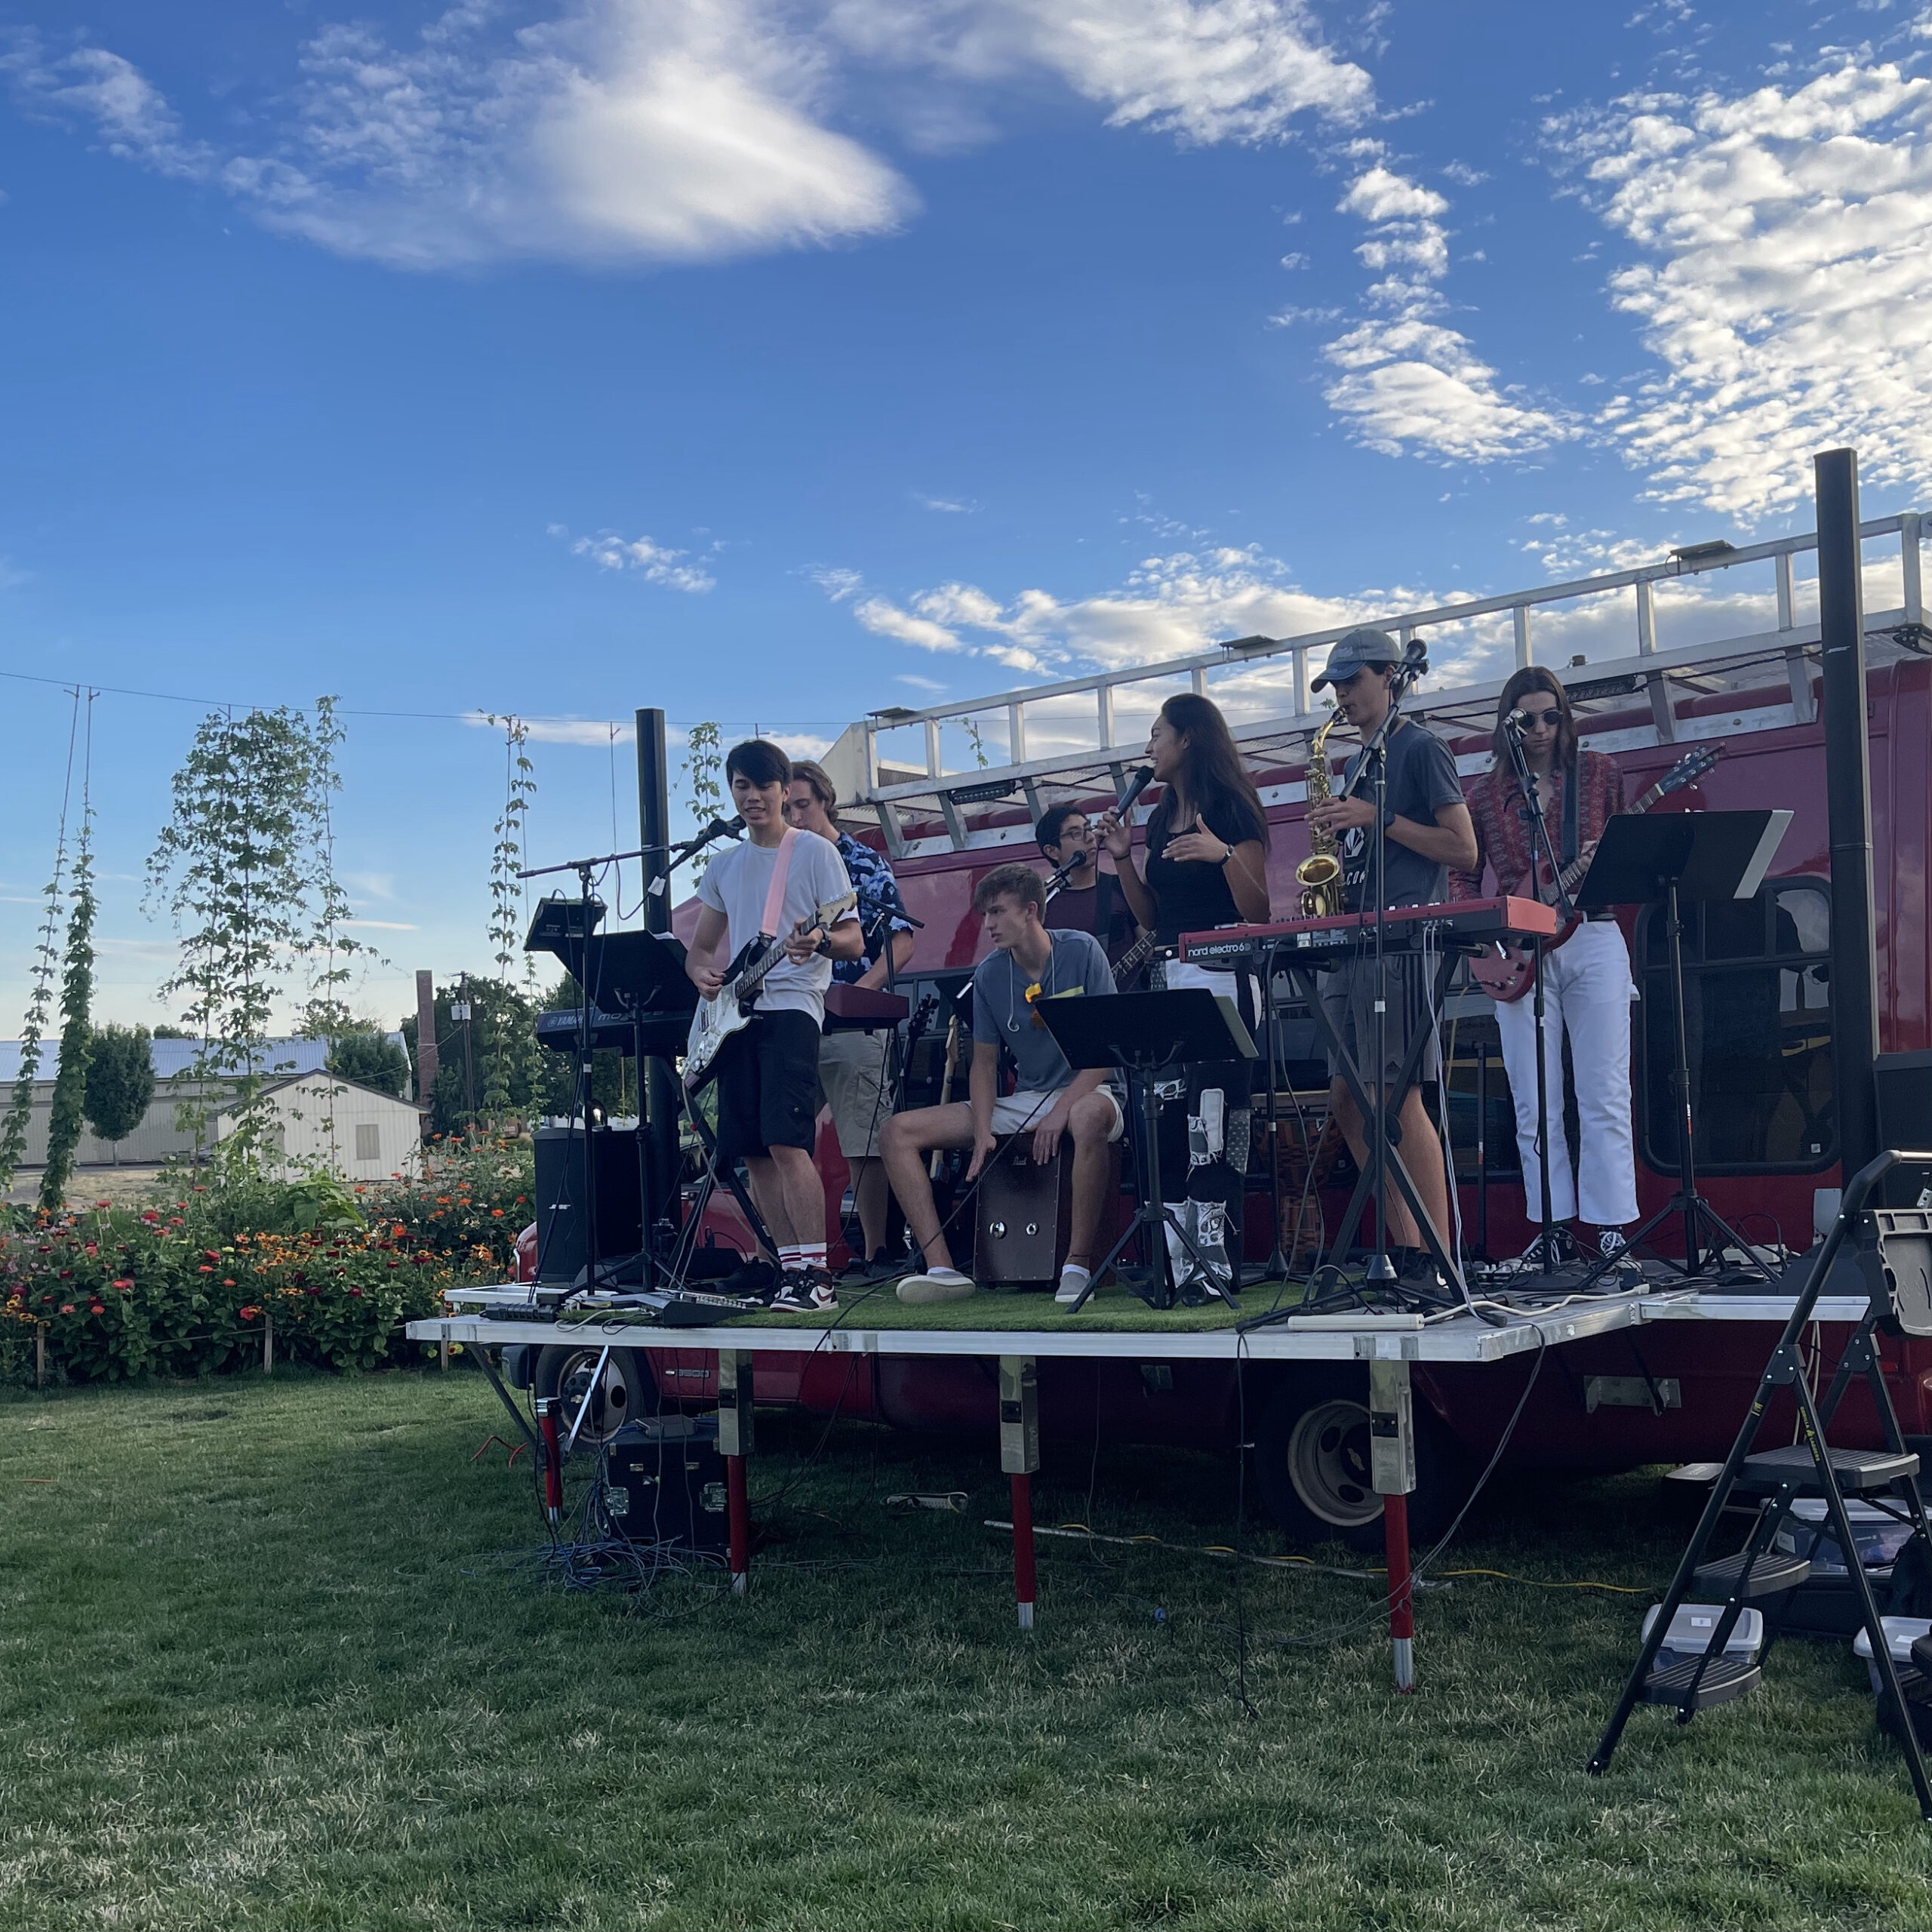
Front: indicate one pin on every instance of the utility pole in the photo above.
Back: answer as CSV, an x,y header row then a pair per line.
x,y
459,1010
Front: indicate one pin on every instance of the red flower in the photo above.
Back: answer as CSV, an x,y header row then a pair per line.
x,y
123,1286
204,1269
248,1314
357,1292
211,1253
96,1308
66,1308
496,1214
228,1281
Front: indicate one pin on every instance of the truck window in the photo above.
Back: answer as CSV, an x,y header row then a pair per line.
x,y
1758,1021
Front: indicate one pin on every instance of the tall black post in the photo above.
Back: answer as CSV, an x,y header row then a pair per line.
x,y
1848,796
657,1087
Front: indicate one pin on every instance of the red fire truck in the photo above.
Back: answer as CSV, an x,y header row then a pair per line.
x,y
1721,659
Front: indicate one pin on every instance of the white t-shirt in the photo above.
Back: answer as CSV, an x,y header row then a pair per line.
x,y
735,883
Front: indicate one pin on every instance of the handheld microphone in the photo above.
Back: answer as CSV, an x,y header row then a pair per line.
x,y
1138,783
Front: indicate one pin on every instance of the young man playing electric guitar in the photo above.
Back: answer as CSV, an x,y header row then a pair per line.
x,y
1028,963
769,888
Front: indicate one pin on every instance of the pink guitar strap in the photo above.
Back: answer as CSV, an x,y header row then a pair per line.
x,y
771,923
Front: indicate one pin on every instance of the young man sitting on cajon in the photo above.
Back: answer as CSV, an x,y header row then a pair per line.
x,y
1028,963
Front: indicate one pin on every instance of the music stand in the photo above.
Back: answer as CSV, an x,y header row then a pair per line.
x,y
640,976
1676,855
1145,1033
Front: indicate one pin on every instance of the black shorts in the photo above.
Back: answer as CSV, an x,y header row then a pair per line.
x,y
1348,992
768,1086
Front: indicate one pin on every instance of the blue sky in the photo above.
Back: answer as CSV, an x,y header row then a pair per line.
x,y
785,362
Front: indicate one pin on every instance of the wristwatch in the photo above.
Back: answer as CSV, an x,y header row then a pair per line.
x,y
823,948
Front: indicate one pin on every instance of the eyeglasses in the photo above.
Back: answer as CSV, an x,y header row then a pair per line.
x,y
1540,721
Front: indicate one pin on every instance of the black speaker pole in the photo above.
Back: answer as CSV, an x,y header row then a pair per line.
x,y
657,1085
1848,800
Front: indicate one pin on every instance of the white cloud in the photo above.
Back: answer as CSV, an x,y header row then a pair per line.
x,y
626,130
838,585
1415,386
655,562
801,744
1411,384
1204,70
930,685
384,925
1785,282
885,619
946,503
600,732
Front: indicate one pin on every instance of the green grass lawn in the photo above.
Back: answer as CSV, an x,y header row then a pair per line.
x,y
275,1655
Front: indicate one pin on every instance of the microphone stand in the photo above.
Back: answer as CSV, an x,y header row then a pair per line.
x,y
1540,837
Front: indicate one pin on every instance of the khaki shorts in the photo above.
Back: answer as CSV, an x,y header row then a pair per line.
x,y
851,1069
1013,1112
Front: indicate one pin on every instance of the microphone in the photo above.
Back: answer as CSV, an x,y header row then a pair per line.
x,y
1518,722
1138,783
718,828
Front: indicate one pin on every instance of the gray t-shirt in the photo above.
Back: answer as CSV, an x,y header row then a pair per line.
x,y
735,884
1001,1016
1421,780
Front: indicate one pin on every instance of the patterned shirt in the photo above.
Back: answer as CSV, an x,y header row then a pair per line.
x,y
1502,830
878,896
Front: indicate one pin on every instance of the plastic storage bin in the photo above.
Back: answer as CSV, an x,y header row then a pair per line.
x,y
1805,1533
1691,1631
1901,1633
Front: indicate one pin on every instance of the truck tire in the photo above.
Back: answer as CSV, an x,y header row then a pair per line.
x,y
1311,1463
624,1393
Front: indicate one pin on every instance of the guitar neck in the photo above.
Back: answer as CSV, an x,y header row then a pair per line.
x,y
1572,875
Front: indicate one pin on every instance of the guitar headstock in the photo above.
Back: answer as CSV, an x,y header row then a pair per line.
x,y
1688,769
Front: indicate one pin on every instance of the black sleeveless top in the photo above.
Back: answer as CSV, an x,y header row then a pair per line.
x,y
1190,896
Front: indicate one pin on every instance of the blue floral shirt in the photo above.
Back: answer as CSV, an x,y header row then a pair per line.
x,y
879,896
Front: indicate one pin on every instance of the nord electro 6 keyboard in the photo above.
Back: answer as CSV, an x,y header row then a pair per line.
x,y
1460,923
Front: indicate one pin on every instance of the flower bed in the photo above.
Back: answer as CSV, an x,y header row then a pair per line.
x,y
125,1292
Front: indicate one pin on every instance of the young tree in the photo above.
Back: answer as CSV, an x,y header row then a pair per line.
x,y
120,1081
70,1082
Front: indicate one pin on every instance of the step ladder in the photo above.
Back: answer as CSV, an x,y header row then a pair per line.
x,y
1894,1253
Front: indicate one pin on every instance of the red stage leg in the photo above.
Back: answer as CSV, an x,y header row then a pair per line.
x,y
740,1521
553,1459
1022,1547
1402,1617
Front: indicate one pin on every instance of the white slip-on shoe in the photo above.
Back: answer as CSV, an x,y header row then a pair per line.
x,y
936,1284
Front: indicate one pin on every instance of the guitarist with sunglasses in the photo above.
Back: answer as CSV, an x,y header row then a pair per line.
x,y
1587,983
767,1073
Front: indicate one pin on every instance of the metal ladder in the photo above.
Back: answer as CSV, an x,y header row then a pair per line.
x,y
1809,1467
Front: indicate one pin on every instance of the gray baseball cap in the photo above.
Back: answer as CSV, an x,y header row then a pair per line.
x,y
1365,646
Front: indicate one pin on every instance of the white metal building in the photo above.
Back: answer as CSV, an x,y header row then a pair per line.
x,y
322,1121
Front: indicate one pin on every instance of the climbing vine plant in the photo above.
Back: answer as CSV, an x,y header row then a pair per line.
x,y
47,956
506,1051
704,766
70,1083
244,870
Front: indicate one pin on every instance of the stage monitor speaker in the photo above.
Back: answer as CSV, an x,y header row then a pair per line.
x,y
561,1228
1903,1082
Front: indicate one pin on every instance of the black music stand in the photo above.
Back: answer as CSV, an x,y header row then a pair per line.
x,y
1145,1033
1674,857
640,976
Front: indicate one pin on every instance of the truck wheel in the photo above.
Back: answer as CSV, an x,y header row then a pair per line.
x,y
1311,1465
623,1393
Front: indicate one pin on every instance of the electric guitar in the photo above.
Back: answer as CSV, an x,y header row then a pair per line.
x,y
1508,971
729,1011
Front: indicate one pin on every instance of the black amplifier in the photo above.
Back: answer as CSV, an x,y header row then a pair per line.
x,y
664,1483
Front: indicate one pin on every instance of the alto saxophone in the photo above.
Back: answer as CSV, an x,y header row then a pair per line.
x,y
1319,874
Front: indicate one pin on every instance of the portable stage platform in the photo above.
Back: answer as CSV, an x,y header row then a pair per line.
x,y
1001,1327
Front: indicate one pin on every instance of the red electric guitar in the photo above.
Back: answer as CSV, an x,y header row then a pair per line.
x,y
1509,971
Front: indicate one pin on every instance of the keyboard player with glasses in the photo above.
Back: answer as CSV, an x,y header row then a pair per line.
x,y
1206,865
1426,834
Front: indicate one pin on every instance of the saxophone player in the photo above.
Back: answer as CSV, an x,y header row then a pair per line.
x,y
1425,832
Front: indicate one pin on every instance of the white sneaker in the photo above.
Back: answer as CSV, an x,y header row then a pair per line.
x,y
1073,1284
936,1284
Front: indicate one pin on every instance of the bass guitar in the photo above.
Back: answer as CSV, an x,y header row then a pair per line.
x,y
729,1011
1509,971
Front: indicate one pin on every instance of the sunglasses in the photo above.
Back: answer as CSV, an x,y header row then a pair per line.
x,y
1541,721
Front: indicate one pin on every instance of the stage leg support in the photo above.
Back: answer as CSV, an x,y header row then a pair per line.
x,y
1020,1456
552,1453
1391,1440
735,1445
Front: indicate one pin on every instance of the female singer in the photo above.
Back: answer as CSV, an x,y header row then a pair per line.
x,y
1587,987
1206,865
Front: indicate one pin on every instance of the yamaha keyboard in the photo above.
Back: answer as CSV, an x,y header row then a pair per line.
x,y
664,1033
1464,925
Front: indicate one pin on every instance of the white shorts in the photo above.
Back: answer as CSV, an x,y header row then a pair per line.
x,y
1013,1112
